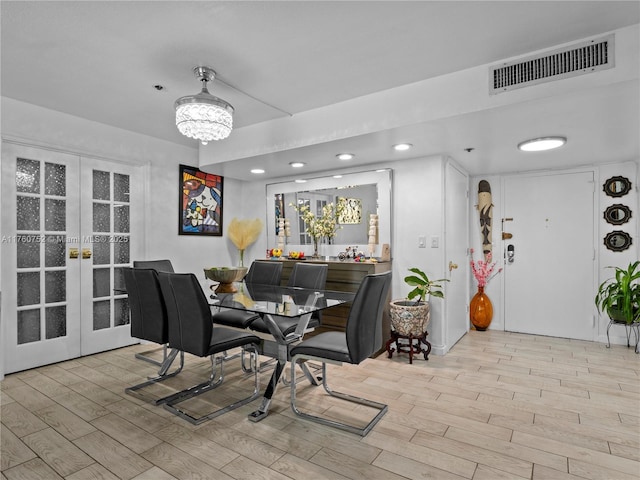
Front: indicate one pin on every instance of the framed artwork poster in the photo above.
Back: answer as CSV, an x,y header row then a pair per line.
x,y
349,211
200,202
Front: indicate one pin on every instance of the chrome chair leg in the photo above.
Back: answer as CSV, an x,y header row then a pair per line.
x,y
143,356
304,366
362,431
162,375
171,404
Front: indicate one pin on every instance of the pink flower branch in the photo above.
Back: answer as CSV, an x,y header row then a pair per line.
x,y
483,270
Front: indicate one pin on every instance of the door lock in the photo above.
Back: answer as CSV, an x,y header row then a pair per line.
x,y
510,253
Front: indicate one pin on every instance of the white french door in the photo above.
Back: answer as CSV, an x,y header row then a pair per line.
x,y
41,285
109,223
67,230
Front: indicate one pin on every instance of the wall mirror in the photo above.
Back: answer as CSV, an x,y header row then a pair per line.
x,y
617,240
365,192
617,214
617,186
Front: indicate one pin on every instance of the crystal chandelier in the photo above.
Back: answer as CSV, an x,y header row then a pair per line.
x,y
203,116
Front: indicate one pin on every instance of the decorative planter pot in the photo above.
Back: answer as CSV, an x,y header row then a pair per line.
x,y
407,318
409,328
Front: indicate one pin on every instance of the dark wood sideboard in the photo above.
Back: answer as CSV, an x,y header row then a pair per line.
x,y
345,276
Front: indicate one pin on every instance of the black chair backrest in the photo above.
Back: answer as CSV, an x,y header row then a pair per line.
x,y
190,325
157,265
308,275
146,303
364,324
267,272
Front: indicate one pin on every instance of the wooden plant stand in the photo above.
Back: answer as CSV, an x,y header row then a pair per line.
x,y
412,345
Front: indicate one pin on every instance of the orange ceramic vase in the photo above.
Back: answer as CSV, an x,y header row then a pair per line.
x,y
480,310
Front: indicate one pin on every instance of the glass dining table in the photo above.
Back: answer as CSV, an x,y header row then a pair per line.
x,y
270,302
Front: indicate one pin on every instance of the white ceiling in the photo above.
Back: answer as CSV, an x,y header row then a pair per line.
x,y
99,60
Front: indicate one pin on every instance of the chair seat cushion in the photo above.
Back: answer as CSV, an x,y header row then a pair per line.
x,y
234,318
285,324
223,338
330,345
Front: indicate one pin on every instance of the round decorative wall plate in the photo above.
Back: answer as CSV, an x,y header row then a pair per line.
x,y
617,214
617,240
617,186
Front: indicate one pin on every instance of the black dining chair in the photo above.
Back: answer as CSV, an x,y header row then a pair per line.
x,y
149,321
158,265
303,275
260,272
362,338
191,330
163,265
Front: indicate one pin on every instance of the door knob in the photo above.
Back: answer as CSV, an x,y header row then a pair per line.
x,y
452,266
86,253
73,253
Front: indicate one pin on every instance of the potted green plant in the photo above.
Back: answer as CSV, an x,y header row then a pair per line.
x,y
619,296
410,316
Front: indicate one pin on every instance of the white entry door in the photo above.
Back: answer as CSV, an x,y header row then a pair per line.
x,y
549,284
53,303
457,238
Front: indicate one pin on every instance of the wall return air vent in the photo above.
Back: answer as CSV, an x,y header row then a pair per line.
x,y
570,61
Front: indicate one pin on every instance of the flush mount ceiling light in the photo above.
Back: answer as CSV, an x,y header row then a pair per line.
x,y
297,164
203,116
257,170
345,156
541,144
401,147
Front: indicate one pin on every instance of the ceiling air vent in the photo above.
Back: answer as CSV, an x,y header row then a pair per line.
x,y
570,61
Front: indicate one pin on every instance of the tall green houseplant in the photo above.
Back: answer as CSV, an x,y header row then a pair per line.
x,y
619,296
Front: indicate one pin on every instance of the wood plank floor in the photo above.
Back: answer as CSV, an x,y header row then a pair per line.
x,y
497,406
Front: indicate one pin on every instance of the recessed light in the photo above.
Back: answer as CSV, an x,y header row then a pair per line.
x,y
541,144
337,176
301,180
297,164
345,156
401,147
257,170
